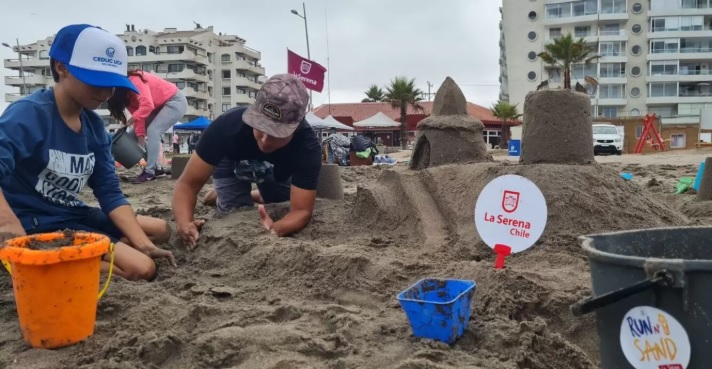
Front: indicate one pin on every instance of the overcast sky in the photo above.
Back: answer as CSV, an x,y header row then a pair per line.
x,y
369,41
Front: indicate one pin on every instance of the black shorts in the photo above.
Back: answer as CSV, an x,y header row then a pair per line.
x,y
94,221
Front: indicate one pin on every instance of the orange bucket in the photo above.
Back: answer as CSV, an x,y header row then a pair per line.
x,y
56,289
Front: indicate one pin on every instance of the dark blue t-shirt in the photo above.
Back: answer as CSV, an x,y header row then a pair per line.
x,y
44,165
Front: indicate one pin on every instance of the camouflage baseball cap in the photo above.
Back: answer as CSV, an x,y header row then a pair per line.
x,y
280,106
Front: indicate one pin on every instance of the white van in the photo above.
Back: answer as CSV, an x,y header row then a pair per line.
x,y
607,139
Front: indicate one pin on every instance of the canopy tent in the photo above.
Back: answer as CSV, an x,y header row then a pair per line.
x,y
379,120
326,123
197,124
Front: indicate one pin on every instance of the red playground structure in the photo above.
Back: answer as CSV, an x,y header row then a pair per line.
x,y
650,135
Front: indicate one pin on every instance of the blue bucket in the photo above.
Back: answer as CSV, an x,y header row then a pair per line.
x,y
438,309
698,178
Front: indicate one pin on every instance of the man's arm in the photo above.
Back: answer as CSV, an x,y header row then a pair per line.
x,y
185,193
301,209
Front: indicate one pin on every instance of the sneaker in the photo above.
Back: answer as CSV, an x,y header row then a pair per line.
x,y
144,177
160,172
384,160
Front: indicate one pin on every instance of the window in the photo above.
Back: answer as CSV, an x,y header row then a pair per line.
x,y
175,68
147,67
612,70
531,36
225,107
634,92
634,112
608,111
611,48
611,91
635,71
635,50
129,51
151,49
532,15
662,89
636,28
664,46
663,112
225,73
180,85
225,57
584,7
638,131
173,49
44,55
140,50
557,11
582,31
637,8
610,29
554,33
613,6
531,76
240,91
226,91
532,56
677,140
580,71
663,68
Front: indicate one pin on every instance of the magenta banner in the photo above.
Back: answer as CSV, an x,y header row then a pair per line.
x,y
309,72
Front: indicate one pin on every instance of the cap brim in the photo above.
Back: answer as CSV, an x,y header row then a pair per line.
x,y
253,118
101,79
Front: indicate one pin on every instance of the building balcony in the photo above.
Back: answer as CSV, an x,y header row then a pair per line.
x,y
245,82
682,76
613,80
196,112
608,101
186,74
574,20
694,98
193,93
34,80
659,33
244,65
13,97
681,54
242,99
185,56
31,63
613,58
701,8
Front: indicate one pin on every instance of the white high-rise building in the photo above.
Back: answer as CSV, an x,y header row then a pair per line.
x,y
656,54
216,72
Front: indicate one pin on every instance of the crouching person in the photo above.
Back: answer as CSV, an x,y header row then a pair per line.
x,y
52,145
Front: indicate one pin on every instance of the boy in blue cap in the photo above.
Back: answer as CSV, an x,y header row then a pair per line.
x,y
52,145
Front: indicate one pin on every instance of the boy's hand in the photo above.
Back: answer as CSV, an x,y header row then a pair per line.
x,y
190,232
155,253
266,220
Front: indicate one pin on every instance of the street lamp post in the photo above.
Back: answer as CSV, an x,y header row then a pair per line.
x,y
306,31
22,71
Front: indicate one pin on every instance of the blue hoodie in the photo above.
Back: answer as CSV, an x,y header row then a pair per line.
x,y
44,165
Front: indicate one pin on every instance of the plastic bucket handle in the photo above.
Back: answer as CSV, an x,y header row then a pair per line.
x,y
8,267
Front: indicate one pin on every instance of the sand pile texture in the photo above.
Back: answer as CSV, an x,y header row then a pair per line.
x,y
326,297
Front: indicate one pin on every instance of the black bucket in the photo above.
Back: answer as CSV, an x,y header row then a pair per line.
x,y
665,268
125,148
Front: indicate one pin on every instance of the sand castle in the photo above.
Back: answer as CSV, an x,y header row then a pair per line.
x,y
449,135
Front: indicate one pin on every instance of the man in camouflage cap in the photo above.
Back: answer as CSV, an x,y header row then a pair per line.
x,y
269,143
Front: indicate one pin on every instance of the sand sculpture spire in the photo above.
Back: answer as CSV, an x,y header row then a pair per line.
x,y
449,135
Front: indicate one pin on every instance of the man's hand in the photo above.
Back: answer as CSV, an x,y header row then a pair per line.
x,y
190,232
210,198
154,253
265,219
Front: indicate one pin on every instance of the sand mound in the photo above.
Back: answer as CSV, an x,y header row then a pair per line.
x,y
326,297
434,208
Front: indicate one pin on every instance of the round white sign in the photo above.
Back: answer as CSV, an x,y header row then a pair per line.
x,y
510,211
654,339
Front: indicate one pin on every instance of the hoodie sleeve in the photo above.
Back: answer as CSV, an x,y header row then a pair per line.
x,y
104,182
145,105
22,126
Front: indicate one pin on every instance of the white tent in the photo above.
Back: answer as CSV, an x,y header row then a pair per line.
x,y
379,120
326,123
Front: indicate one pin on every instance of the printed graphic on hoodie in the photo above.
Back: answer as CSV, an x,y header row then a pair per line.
x,y
65,176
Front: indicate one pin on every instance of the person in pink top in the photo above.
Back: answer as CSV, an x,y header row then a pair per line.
x,y
158,106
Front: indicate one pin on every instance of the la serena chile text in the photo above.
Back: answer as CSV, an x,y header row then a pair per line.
x,y
519,228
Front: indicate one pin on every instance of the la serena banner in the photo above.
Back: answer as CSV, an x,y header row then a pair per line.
x,y
309,72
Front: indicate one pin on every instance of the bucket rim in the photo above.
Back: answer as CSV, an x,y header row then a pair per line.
x,y
90,245
639,261
472,285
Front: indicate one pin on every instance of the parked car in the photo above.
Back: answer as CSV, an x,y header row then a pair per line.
x,y
607,139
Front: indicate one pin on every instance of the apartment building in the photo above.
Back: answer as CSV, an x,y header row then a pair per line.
x,y
216,72
656,55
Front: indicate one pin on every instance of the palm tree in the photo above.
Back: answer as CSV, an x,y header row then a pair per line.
x,y
373,94
401,94
564,52
506,112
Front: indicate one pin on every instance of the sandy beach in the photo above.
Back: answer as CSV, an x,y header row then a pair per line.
x,y
326,297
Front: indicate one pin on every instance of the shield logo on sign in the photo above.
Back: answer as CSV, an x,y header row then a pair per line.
x,y
510,201
305,67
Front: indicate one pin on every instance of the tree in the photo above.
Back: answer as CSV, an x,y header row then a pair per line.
x,y
401,94
507,113
564,52
373,94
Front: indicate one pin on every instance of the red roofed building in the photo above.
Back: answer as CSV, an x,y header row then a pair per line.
x,y
348,113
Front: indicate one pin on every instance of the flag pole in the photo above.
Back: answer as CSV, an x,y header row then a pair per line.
x,y
328,67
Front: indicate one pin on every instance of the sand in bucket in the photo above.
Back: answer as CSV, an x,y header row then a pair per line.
x,y
55,277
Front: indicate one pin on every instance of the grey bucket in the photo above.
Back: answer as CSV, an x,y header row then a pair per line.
x,y
125,148
666,268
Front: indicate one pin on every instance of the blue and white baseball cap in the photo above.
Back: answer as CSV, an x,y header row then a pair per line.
x,y
93,55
